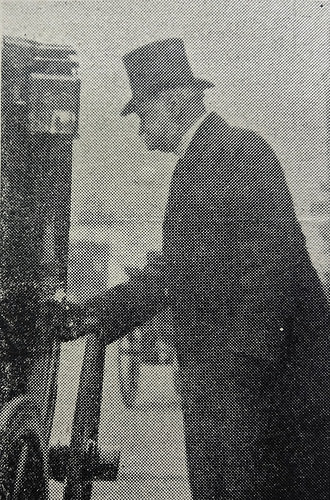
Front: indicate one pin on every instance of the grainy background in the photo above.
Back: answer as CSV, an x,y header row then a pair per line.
x,y
269,60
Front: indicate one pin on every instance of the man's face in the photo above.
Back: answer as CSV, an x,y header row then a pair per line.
x,y
156,125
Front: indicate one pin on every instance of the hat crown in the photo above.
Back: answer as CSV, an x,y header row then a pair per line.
x,y
157,65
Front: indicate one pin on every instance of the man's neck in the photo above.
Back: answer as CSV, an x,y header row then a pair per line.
x,y
188,132
189,120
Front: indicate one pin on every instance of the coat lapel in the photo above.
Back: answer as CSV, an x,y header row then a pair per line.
x,y
203,141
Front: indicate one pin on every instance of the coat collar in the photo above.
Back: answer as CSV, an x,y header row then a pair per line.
x,y
212,134
189,134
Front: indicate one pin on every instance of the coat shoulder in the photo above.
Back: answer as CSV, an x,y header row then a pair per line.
x,y
248,144
225,147
218,137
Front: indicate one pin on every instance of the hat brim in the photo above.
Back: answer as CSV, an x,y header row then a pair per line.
x,y
197,83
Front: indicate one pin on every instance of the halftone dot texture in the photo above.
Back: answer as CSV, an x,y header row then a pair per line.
x,y
240,271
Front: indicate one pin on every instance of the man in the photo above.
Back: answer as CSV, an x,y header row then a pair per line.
x,y
249,313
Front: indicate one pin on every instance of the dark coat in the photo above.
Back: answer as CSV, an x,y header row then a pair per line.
x,y
236,255
236,252
247,304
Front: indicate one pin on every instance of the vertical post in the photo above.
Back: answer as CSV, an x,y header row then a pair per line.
x,y
83,446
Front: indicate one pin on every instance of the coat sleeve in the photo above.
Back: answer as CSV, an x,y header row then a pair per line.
x,y
128,305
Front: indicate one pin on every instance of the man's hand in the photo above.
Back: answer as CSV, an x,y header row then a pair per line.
x,y
66,321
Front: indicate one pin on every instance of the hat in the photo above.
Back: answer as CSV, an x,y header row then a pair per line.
x,y
158,66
